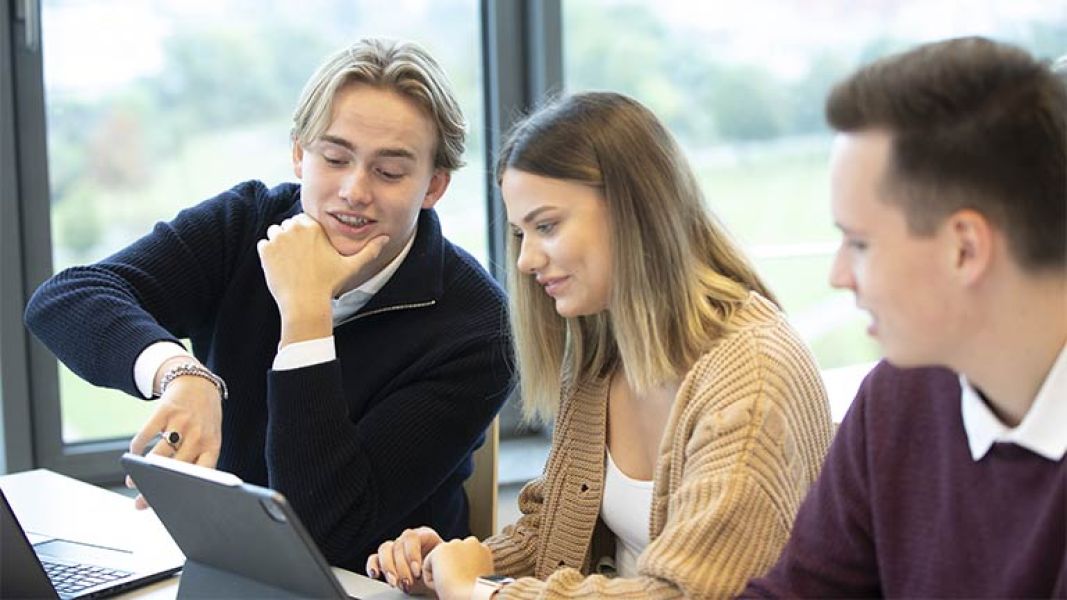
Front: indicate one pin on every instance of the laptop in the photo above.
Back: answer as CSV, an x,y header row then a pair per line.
x,y
240,540
33,565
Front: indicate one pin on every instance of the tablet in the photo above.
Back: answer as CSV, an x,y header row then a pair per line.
x,y
239,540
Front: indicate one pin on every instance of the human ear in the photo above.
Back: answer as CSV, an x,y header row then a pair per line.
x,y
298,159
973,240
438,184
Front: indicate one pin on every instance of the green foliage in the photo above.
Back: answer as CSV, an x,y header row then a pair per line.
x,y
698,95
222,76
213,79
70,122
747,104
93,413
77,222
805,99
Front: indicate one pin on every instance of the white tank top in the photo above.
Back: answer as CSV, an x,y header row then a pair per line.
x,y
626,508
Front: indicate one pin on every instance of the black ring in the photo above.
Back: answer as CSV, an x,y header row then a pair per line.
x,y
173,439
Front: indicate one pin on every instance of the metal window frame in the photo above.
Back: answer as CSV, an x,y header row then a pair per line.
x,y
32,402
521,64
16,443
523,58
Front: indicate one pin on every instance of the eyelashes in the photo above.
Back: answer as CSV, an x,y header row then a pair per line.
x,y
546,228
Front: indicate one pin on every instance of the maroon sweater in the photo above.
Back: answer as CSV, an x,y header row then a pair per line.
x,y
901,509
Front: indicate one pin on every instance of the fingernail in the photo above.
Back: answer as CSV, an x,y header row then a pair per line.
x,y
415,569
405,585
372,573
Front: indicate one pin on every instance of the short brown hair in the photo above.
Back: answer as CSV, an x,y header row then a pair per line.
x,y
975,124
404,67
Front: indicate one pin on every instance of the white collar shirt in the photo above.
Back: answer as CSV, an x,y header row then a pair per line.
x,y
348,303
1043,429
344,307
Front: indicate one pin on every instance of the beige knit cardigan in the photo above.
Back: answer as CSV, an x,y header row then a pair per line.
x,y
745,438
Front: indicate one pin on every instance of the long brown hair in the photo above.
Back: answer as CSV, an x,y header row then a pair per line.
x,y
678,277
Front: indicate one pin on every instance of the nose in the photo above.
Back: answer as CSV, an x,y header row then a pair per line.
x,y
531,258
841,276
355,187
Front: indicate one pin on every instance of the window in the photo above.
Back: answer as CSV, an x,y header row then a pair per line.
x,y
154,106
151,106
742,85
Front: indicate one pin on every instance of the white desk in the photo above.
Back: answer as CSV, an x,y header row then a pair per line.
x,y
94,514
355,585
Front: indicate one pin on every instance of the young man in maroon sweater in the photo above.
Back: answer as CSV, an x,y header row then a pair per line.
x,y
947,477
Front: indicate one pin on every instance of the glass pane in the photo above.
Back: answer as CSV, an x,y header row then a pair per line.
x,y
743,84
155,105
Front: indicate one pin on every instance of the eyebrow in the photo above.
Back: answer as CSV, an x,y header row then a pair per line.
x,y
846,230
396,152
530,216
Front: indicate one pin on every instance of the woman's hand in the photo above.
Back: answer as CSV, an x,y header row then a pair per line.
x,y
400,562
452,567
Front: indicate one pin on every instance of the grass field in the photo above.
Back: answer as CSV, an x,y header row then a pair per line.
x,y
777,198
93,413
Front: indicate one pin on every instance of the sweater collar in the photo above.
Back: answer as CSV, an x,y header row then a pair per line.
x,y
419,280
420,277
349,303
1041,430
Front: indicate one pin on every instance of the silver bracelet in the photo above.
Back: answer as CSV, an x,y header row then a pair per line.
x,y
190,368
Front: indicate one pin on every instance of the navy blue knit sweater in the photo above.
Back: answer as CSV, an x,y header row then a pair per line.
x,y
363,446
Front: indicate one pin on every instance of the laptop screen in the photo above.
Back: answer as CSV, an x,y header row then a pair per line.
x,y
21,574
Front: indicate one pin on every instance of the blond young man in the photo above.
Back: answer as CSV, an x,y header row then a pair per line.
x,y
344,352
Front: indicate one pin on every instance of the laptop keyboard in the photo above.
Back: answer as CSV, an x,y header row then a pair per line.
x,y
71,578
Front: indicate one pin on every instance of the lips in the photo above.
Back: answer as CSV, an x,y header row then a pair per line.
x,y
351,223
553,285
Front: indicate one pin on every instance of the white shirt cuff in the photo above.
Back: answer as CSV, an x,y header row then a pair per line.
x,y
149,361
305,354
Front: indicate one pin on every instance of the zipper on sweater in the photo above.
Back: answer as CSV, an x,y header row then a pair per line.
x,y
386,309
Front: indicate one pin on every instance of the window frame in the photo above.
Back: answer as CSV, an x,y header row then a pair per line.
x,y
16,449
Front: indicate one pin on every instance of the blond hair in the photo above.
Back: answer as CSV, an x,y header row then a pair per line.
x,y
404,67
678,276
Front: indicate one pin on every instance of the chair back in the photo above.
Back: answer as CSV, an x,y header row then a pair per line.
x,y
481,487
